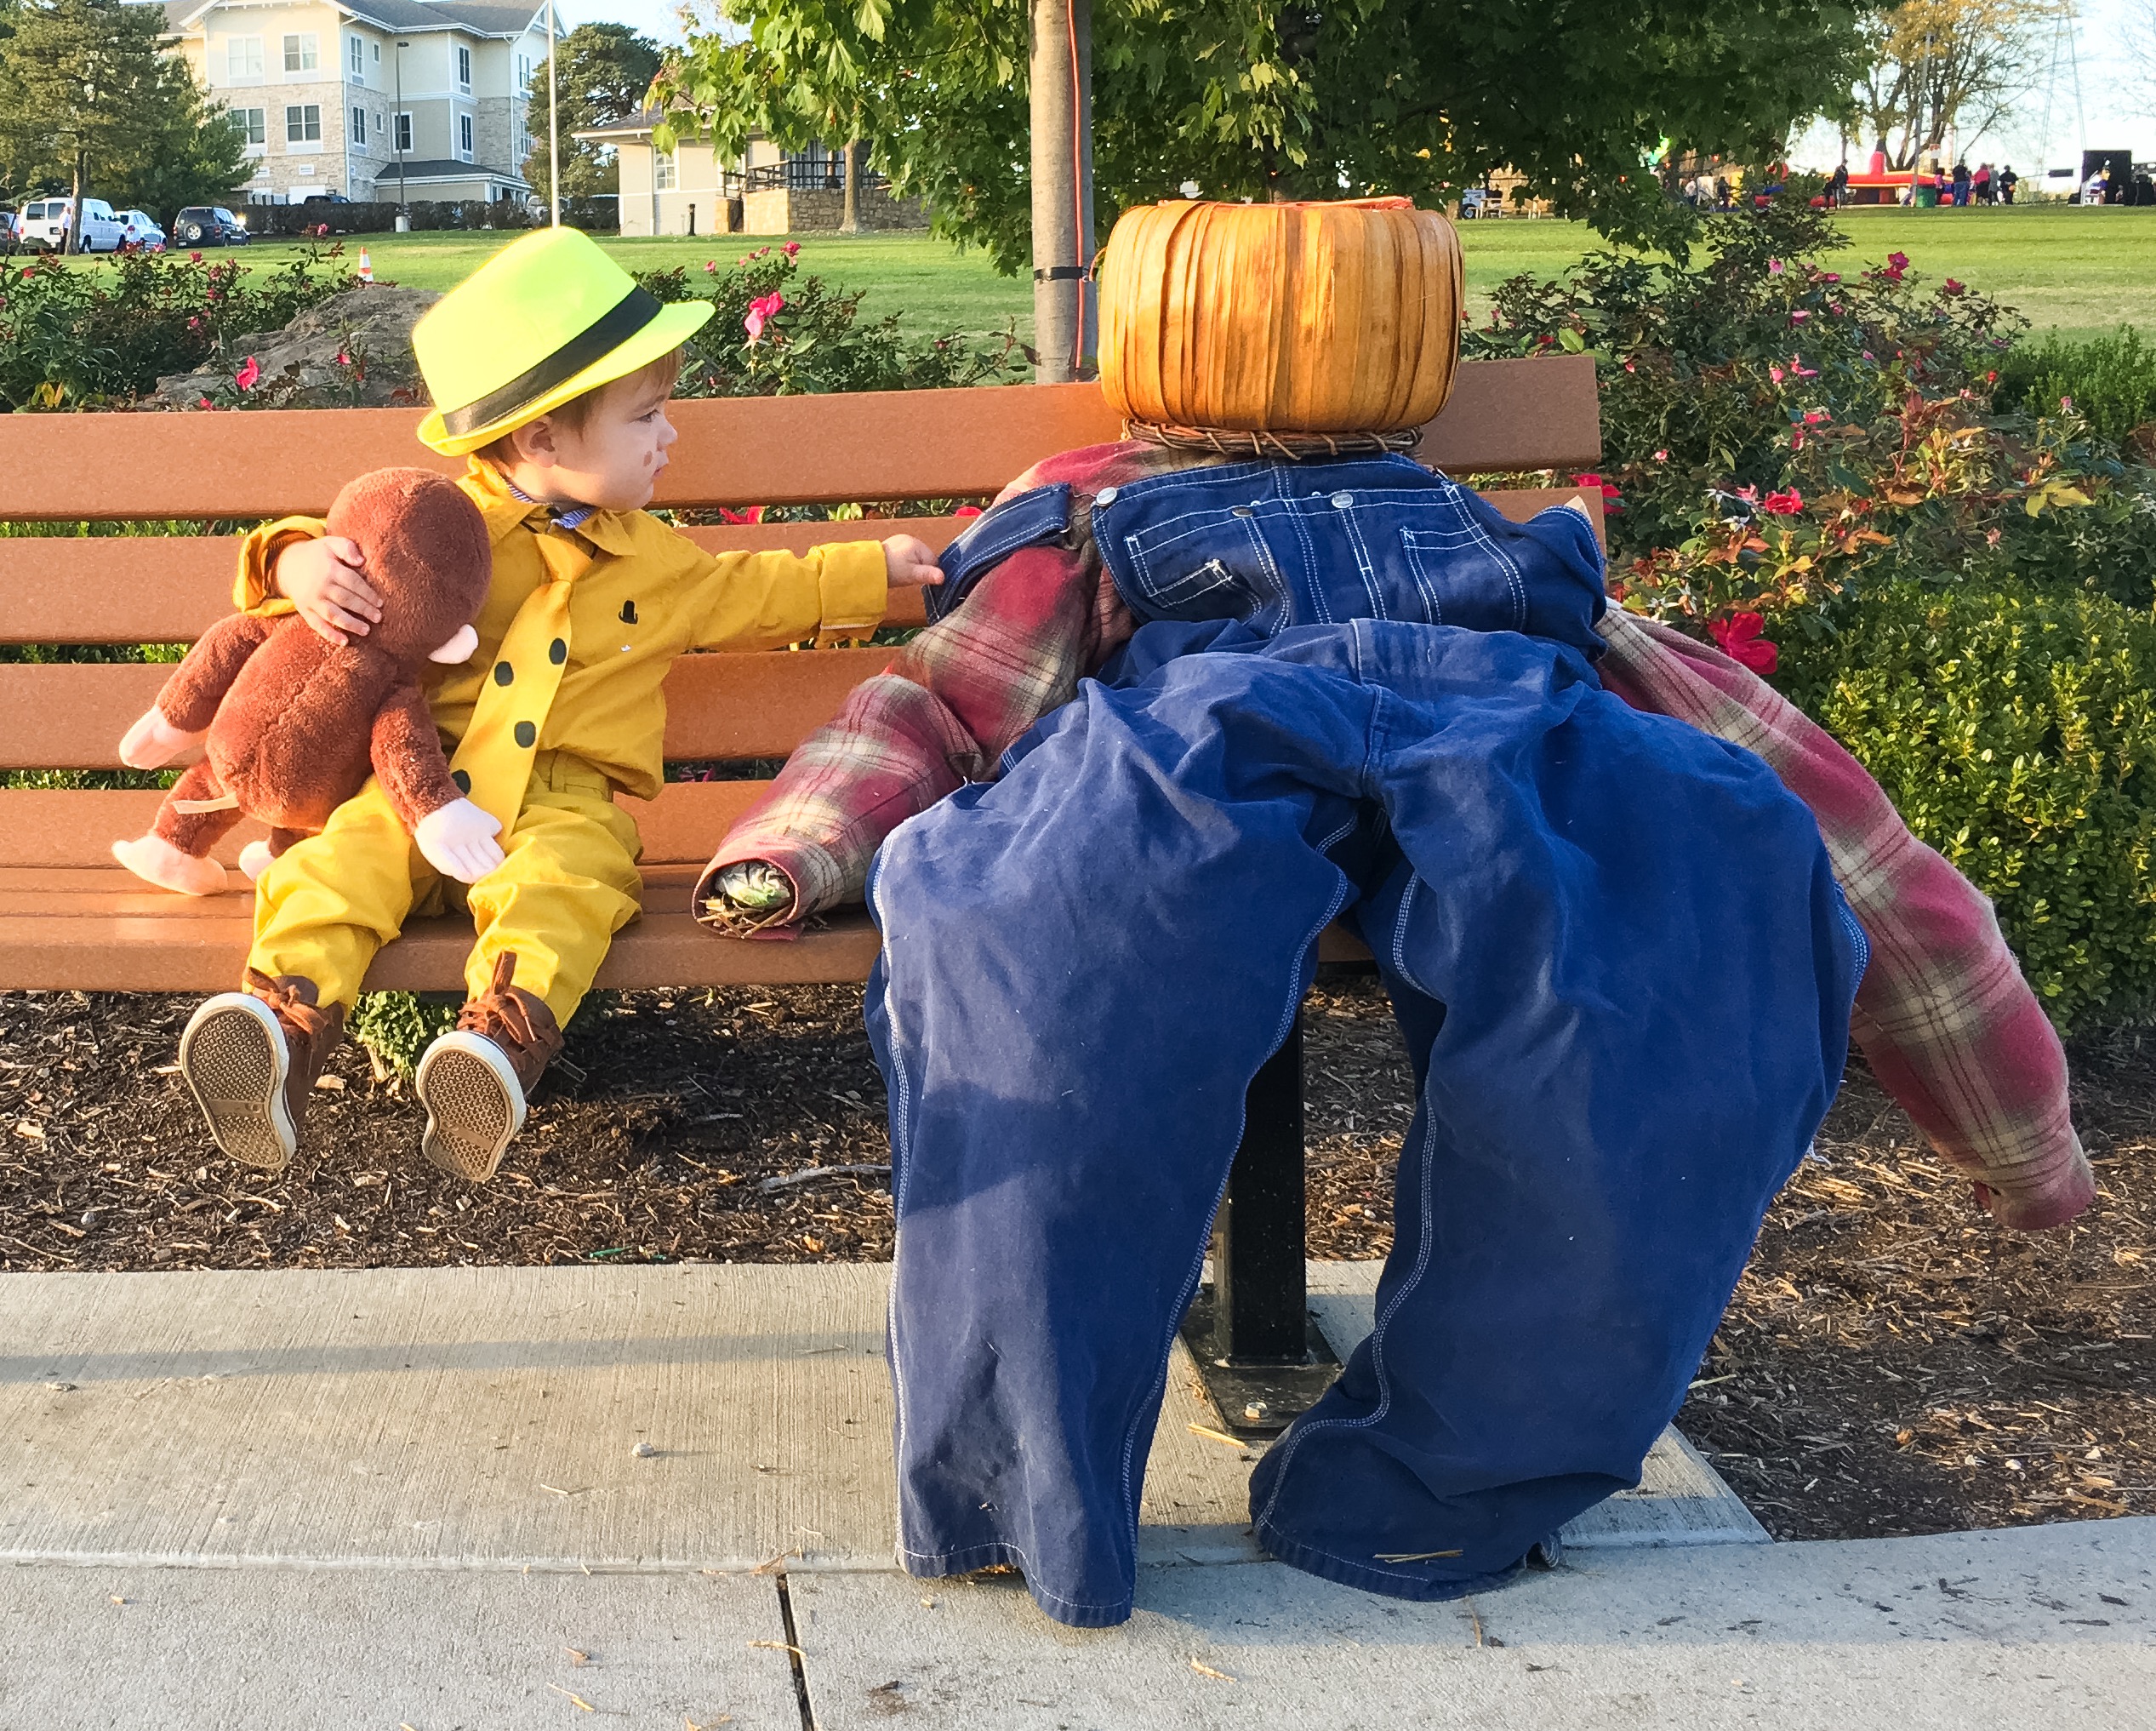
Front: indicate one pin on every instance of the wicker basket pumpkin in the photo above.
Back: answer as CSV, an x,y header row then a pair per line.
x,y
1298,319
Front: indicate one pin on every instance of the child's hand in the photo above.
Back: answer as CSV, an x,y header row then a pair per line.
x,y
324,581
907,563
153,742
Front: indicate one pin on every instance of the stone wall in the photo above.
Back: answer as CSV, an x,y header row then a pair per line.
x,y
820,210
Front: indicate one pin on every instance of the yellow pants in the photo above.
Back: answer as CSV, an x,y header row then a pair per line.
x,y
567,883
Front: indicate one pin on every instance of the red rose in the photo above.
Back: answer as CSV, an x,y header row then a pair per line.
x,y
1738,636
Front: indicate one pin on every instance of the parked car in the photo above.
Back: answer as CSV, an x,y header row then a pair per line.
x,y
210,225
9,240
325,198
44,223
138,228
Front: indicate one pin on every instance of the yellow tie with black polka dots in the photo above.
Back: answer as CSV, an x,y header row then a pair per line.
x,y
494,764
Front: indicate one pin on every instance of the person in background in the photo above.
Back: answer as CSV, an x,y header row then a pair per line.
x,y
1983,183
1961,186
2008,180
1837,187
2098,188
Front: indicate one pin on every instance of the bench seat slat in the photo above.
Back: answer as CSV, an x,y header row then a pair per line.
x,y
73,828
71,935
769,450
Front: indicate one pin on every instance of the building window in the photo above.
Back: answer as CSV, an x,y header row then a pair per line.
x,y
464,136
464,69
302,53
404,134
665,175
359,126
244,60
303,124
255,121
357,56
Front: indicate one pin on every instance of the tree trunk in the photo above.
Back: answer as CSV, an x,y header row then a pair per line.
x,y
849,221
1060,81
74,239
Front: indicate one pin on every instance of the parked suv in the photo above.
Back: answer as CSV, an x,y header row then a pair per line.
x,y
209,225
44,221
8,241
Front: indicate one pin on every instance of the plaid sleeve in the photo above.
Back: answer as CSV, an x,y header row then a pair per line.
x,y
942,713
938,717
1944,1018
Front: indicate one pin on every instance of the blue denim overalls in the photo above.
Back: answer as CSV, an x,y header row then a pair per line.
x,y
1620,962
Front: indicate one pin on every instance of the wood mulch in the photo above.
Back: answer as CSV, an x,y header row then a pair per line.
x,y
1892,1363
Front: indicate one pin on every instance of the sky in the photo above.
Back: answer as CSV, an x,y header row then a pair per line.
x,y
2104,113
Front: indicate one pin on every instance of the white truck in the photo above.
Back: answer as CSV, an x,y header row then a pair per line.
x,y
44,223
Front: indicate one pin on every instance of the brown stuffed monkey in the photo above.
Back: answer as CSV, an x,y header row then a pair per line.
x,y
292,725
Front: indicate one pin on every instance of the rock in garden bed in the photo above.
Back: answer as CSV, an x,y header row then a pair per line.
x,y
1892,1363
353,350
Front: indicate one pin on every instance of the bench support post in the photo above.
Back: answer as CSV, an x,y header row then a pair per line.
x,y
1260,1358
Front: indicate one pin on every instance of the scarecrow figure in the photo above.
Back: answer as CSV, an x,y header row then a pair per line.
x,y
1192,698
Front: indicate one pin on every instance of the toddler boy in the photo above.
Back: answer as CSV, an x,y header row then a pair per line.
x,y
551,369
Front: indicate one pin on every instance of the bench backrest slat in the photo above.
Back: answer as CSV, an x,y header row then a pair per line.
x,y
768,450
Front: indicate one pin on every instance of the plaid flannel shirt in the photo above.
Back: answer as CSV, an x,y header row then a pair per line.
x,y
1944,1018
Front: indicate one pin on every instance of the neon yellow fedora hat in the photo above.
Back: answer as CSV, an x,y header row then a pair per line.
x,y
549,318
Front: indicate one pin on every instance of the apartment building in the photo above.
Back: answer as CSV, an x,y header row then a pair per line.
x,y
387,99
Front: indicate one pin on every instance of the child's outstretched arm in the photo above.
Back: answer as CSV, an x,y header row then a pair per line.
x,y
760,601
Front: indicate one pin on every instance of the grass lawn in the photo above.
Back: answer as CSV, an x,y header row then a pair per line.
x,y
2076,272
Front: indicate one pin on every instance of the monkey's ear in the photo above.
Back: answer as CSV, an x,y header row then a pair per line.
x,y
458,649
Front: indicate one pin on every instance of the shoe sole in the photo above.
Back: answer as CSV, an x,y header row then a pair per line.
x,y
474,1105
234,1059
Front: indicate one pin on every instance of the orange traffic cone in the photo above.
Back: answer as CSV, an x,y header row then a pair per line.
x,y
366,266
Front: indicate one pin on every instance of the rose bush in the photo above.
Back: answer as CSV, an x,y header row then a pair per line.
x,y
1853,483
88,336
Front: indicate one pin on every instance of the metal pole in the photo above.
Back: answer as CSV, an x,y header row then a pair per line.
x,y
1060,83
553,132
400,122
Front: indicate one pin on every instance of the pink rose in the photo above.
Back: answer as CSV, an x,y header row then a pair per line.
x,y
760,312
249,375
792,249
1784,504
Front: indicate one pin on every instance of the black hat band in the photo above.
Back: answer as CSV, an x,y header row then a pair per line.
x,y
612,327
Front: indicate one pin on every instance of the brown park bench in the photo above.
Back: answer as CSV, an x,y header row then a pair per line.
x,y
73,919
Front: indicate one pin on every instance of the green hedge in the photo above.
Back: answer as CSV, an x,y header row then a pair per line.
x,y
2015,728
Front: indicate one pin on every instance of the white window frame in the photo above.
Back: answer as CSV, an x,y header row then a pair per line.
x,y
244,60
665,171
255,122
302,52
465,134
401,133
359,127
303,114
355,57
463,67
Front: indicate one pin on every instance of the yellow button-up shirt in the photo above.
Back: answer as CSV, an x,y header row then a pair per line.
x,y
649,595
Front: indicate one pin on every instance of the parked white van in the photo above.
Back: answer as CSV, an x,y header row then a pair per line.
x,y
43,223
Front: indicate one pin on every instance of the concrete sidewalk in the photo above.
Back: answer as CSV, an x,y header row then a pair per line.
x,y
412,1498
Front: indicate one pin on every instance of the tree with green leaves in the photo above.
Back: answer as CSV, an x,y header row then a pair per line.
x,y
198,155
84,88
1248,100
605,71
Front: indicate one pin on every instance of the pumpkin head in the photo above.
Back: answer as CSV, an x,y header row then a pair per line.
x,y
1296,318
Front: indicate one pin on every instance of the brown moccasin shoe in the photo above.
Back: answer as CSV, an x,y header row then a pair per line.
x,y
475,1080
251,1059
